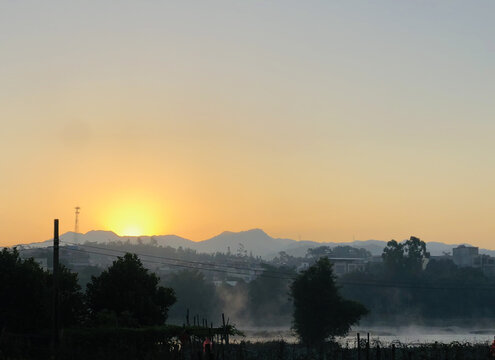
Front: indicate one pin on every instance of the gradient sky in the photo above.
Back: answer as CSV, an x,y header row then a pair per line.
x,y
319,120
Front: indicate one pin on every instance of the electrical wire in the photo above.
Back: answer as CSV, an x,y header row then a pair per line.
x,y
185,261
190,264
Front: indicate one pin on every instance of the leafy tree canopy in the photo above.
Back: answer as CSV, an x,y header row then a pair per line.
x,y
319,310
129,292
405,258
26,300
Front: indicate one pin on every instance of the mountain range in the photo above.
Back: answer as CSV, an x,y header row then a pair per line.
x,y
255,242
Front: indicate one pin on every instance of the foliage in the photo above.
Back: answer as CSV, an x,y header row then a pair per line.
x,y
26,301
129,291
72,307
319,310
413,294
405,258
156,342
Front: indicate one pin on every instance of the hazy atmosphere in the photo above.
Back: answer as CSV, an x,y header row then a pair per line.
x,y
325,121
247,180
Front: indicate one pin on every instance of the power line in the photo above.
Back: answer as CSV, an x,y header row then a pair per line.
x,y
180,265
186,261
190,264
345,283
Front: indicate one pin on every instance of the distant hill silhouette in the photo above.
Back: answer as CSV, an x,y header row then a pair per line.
x,y
254,241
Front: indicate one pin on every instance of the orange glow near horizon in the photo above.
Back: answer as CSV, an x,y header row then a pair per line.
x,y
134,216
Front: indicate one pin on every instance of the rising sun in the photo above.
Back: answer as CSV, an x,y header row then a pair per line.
x,y
134,217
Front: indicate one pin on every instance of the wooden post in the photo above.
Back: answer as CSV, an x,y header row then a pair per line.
x,y
358,347
368,347
393,351
55,310
227,332
224,337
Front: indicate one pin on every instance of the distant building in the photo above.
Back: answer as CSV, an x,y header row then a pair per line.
x,y
343,266
465,256
469,256
486,263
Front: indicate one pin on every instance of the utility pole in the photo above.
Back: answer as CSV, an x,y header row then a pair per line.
x,y
55,310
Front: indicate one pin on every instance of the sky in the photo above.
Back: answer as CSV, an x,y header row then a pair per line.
x,y
317,120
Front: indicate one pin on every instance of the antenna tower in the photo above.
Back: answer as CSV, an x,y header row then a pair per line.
x,y
76,224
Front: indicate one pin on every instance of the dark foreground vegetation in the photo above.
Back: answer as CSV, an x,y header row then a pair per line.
x,y
123,311
177,343
333,351
159,342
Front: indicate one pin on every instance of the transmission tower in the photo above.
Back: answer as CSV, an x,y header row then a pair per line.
x,y
76,224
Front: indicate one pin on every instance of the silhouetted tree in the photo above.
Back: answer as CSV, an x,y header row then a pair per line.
x,y
319,310
26,295
72,307
404,258
393,256
128,293
24,304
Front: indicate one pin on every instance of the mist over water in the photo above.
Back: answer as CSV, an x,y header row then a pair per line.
x,y
383,335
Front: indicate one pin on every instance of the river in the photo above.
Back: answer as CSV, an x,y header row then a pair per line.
x,y
383,335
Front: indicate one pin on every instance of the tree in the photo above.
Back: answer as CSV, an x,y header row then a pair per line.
x,y
127,292
319,310
393,256
405,258
26,301
72,306
415,250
